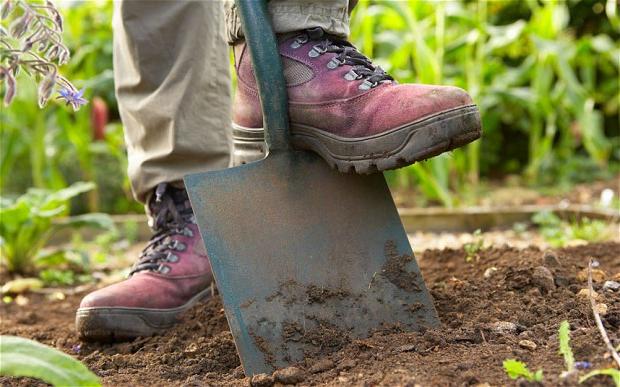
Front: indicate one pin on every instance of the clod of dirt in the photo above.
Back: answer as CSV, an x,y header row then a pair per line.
x,y
527,344
395,269
321,366
289,375
262,380
543,279
238,373
318,295
550,259
504,327
346,364
598,275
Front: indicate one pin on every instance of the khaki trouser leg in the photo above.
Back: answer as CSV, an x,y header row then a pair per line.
x,y
171,69
290,16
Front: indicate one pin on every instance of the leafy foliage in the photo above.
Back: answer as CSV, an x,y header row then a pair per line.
x,y
559,233
516,369
23,357
28,222
543,73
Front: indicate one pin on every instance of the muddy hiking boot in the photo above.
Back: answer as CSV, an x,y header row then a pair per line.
x,y
351,112
172,274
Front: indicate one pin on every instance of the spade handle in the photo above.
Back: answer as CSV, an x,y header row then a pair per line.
x,y
267,65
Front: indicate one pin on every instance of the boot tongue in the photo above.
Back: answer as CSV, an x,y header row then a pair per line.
x,y
170,207
346,54
315,33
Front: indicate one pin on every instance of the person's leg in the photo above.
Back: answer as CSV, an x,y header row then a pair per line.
x,y
294,15
172,81
171,72
341,105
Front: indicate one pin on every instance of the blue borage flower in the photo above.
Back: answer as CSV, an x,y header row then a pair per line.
x,y
583,365
72,97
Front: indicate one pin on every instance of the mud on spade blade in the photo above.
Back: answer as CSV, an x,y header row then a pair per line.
x,y
304,257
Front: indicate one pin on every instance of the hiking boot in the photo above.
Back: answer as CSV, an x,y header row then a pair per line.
x,y
172,274
353,113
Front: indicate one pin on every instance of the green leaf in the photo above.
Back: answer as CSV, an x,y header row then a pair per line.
x,y
98,220
67,193
565,349
23,357
516,369
612,372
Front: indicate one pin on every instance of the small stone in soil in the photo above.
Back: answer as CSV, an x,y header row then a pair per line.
x,y
488,273
598,275
601,309
289,375
321,366
543,279
585,293
613,286
262,380
504,327
528,344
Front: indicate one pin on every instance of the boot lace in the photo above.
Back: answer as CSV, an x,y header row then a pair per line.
x,y
172,215
347,54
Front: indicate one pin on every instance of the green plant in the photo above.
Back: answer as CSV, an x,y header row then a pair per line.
x,y
544,75
27,223
40,147
27,358
473,248
559,233
611,372
516,369
565,349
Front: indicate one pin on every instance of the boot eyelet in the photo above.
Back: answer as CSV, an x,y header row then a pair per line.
x,y
316,51
367,85
299,41
334,63
172,258
351,76
178,246
163,269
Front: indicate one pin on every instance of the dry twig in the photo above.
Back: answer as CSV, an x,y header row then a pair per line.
x,y
597,318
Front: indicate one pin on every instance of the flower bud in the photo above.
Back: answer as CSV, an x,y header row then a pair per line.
x,y
46,87
11,87
7,7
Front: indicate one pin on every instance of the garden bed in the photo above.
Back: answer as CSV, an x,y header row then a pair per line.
x,y
485,321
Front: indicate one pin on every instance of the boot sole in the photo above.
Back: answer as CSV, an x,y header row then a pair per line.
x,y
395,148
118,324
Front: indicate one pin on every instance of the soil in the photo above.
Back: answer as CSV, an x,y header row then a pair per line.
x,y
513,311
